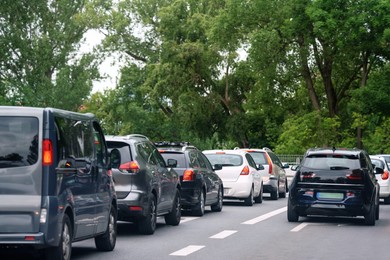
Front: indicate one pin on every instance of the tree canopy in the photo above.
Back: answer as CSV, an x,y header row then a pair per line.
x,y
288,74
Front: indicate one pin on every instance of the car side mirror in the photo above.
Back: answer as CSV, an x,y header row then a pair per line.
x,y
378,170
217,167
260,167
285,165
172,163
294,167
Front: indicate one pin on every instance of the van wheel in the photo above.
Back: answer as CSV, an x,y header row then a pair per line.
x,y
173,218
107,241
386,200
199,208
147,225
217,207
64,249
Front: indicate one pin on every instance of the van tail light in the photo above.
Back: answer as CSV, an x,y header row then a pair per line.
x,y
47,152
245,171
132,167
385,175
269,164
355,176
188,175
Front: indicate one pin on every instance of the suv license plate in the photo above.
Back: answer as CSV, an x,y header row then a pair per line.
x,y
330,196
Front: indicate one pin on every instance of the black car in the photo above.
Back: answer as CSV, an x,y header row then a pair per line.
x,y
145,186
200,185
335,182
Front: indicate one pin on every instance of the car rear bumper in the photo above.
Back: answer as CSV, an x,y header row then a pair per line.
x,y
189,196
351,203
236,190
133,206
35,240
270,186
384,191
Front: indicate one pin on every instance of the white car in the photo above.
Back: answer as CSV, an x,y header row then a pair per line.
x,y
383,179
240,176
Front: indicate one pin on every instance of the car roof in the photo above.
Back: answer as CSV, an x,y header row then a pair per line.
x,y
353,151
222,151
131,137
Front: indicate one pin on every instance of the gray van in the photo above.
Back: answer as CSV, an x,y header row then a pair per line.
x,y
55,181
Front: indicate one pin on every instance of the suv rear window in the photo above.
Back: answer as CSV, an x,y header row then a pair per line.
x,y
225,159
331,162
19,141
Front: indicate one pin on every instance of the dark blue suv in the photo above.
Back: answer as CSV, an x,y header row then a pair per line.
x,y
335,182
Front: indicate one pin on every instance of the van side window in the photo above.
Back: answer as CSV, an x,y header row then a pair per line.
x,y
101,154
75,139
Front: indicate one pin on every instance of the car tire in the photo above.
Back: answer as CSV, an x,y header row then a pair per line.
x,y
107,241
249,201
173,218
198,210
64,249
283,194
369,218
292,215
147,225
386,200
275,194
217,207
259,199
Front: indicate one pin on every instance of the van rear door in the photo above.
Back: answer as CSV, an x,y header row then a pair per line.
x,y
20,171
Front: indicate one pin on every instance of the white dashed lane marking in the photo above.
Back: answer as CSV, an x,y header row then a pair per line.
x,y
223,234
299,227
187,250
186,219
265,216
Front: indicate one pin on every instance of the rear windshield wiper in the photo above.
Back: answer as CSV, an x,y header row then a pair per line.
x,y
339,168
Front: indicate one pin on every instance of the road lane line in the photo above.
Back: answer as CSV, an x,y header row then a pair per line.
x,y
299,227
265,216
187,250
223,234
186,219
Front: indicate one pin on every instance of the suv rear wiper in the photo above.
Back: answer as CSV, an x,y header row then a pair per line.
x,y
339,168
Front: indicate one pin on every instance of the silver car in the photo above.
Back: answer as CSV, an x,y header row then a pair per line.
x,y
383,179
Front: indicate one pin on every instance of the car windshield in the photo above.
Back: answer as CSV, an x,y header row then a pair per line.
x,y
378,163
331,162
179,157
259,158
225,159
19,141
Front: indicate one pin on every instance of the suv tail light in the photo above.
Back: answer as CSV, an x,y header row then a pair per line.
x,y
245,171
47,152
269,164
132,167
385,175
188,175
307,175
355,176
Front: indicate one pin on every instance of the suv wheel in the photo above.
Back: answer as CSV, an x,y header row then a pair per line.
x,y
64,250
217,207
275,194
292,215
107,241
199,208
173,218
283,194
249,201
147,225
386,200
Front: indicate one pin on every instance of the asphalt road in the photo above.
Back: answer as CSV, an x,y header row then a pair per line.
x,y
258,232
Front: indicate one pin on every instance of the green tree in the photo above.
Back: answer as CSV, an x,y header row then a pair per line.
x,y
40,62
